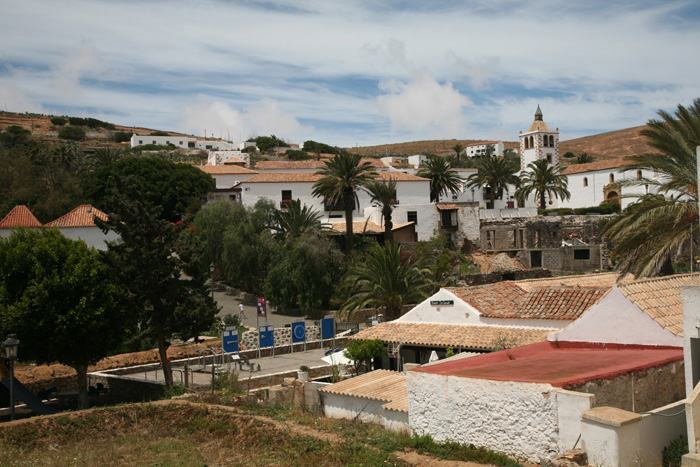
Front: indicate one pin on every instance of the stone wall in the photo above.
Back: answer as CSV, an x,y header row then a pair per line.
x,y
283,337
641,391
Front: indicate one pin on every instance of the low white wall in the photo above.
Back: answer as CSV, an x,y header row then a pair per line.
x,y
659,428
357,408
92,236
517,419
570,404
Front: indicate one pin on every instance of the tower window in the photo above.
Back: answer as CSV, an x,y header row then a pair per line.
x,y
527,143
532,142
549,158
551,141
585,181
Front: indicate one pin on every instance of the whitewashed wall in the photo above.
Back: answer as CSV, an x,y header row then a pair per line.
x,y
593,194
517,419
178,141
357,408
228,180
92,236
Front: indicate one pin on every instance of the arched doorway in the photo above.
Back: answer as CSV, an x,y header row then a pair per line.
x,y
612,197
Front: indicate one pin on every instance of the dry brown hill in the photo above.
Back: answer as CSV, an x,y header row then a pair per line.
x,y
613,144
441,146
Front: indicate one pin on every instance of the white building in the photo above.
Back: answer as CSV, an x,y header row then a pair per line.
x,y
227,176
183,142
79,224
481,149
412,192
235,156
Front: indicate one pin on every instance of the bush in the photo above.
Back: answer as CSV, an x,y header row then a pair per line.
x,y
121,137
159,133
364,351
58,121
72,133
296,155
673,453
228,384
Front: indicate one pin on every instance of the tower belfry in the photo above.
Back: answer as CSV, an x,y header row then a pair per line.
x,y
539,142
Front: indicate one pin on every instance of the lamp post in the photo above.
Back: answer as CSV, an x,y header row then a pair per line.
x,y
211,279
11,344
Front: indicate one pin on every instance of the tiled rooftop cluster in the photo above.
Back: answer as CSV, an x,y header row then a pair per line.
x,y
378,385
82,216
19,216
661,298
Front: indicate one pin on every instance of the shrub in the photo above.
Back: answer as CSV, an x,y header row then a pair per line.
x,y
159,133
296,155
673,453
121,137
72,133
58,121
228,384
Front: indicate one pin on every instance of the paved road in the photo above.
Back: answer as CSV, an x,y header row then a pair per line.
x,y
230,305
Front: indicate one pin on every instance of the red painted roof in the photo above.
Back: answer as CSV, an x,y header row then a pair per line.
x,y
560,364
82,216
19,216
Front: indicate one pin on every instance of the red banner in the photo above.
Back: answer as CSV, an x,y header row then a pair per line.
x,y
262,307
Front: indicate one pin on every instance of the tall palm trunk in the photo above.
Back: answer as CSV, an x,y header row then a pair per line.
x,y
388,225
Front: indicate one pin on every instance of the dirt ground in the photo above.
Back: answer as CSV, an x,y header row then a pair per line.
x,y
494,263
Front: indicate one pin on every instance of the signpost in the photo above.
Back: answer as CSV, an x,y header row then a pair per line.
x,y
298,333
230,339
266,334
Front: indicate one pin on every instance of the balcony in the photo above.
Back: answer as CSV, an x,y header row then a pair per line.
x,y
451,225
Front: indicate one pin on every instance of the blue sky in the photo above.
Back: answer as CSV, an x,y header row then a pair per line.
x,y
353,72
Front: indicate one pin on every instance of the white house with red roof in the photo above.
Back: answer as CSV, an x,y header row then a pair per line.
x,y
19,217
79,224
227,175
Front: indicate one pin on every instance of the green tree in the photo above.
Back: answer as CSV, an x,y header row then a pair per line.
x,y
339,181
121,136
303,272
14,135
104,157
248,246
210,223
146,264
364,351
458,148
650,231
179,189
384,194
544,180
60,300
59,121
443,179
74,133
583,158
385,278
496,173
295,220
569,155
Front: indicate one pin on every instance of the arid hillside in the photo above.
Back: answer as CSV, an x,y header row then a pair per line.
x,y
610,145
440,146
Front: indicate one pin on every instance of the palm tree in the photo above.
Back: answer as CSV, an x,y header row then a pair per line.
x,y
443,179
384,193
341,176
458,148
545,180
583,158
295,220
496,173
385,279
650,231
104,157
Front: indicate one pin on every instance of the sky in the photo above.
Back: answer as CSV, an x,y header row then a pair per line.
x,y
351,73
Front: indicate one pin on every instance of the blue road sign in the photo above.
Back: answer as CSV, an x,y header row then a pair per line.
x,y
298,332
327,328
267,336
230,340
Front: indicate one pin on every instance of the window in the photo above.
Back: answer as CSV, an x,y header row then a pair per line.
x,y
585,181
335,216
180,143
549,158
612,178
140,141
551,141
286,198
532,142
527,143
412,216
639,174
167,142
154,141
582,254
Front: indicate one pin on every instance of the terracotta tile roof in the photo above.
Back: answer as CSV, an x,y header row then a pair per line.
x,y
538,125
446,207
661,298
82,216
593,166
401,177
369,227
559,298
225,169
284,177
445,335
276,165
378,385
482,143
19,216
234,160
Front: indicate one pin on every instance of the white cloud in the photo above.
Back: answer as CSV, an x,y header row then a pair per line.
x,y
423,104
221,120
81,62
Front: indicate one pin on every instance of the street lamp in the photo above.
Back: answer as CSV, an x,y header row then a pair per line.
x,y
11,344
211,278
